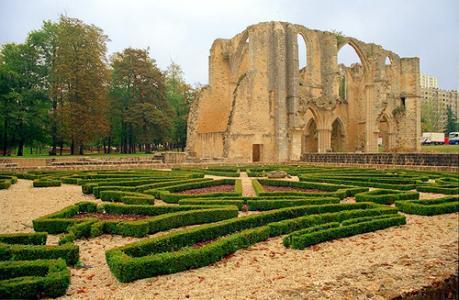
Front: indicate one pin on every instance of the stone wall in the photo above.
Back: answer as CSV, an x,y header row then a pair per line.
x,y
400,159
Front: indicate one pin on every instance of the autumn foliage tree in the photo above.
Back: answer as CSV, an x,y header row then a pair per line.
x,y
81,78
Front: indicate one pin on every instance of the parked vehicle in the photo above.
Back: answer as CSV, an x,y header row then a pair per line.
x,y
433,138
453,138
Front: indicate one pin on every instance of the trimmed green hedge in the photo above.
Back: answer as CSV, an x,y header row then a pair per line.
x,y
46,182
439,189
167,194
69,252
365,182
34,238
126,197
275,204
33,279
330,190
171,252
127,269
160,218
347,212
432,207
386,196
303,240
213,202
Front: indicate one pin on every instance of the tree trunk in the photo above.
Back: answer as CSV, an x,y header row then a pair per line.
x,y
81,149
61,148
72,148
5,137
21,148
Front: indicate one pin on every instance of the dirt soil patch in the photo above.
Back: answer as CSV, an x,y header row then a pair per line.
x,y
273,188
109,217
224,188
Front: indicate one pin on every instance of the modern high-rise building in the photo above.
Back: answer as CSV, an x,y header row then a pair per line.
x,y
428,81
434,106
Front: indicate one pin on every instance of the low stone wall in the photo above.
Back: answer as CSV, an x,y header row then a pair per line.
x,y
400,159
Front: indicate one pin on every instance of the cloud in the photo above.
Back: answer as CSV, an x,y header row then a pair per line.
x,y
183,31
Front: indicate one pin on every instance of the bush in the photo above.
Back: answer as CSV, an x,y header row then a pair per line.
x,y
275,204
69,252
288,239
214,202
439,189
167,194
126,197
146,258
394,184
330,190
155,224
301,241
348,212
46,182
5,183
127,269
35,238
432,207
33,279
385,196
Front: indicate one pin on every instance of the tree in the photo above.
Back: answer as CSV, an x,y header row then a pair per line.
x,y
452,124
25,102
80,78
179,95
431,116
139,111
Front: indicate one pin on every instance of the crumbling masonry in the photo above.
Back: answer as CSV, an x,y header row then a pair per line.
x,y
260,106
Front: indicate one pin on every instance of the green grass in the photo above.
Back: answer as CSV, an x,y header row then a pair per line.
x,y
440,148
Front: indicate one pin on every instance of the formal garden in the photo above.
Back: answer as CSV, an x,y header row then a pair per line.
x,y
188,218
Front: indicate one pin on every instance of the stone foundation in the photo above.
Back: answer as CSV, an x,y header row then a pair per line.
x,y
401,159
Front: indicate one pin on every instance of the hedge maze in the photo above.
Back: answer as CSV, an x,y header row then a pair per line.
x,y
322,204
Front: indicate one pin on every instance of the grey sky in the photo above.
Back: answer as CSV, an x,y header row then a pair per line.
x,y
183,31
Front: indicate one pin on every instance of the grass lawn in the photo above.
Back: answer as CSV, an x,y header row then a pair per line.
x,y
440,148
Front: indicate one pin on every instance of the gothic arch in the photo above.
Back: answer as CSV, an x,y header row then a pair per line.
x,y
358,51
338,135
384,124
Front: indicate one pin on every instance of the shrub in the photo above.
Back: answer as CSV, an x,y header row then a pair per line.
x,y
35,238
386,196
46,182
301,241
127,269
432,207
214,202
275,204
155,224
439,189
288,239
33,279
5,183
69,252
126,197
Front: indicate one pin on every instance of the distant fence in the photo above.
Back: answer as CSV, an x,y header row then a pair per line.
x,y
401,159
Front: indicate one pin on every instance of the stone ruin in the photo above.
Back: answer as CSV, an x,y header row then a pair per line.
x,y
260,106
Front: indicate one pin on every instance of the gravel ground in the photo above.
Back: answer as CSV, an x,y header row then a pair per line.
x,y
376,265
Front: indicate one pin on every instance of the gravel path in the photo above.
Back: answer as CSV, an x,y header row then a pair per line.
x,y
376,265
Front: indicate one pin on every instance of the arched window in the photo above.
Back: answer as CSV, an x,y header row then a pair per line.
x,y
302,52
387,62
348,56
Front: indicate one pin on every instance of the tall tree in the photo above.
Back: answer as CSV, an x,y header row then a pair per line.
x,y
139,110
179,95
28,114
80,77
452,124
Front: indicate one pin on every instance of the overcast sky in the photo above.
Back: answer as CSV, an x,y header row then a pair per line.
x,y
183,31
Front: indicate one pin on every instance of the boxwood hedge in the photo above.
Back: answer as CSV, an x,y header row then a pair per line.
x,y
33,279
386,196
432,207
